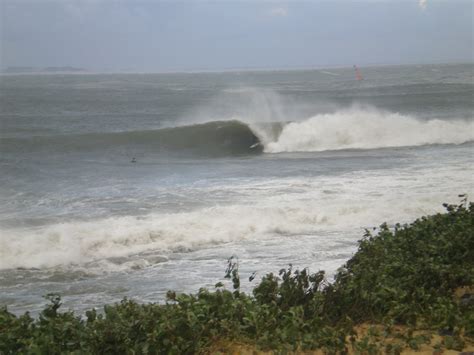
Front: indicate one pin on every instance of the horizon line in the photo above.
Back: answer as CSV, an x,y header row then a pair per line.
x,y
86,71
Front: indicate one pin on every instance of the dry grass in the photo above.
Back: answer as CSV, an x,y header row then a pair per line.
x,y
374,332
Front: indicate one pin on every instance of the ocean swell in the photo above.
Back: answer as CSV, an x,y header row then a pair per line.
x,y
215,138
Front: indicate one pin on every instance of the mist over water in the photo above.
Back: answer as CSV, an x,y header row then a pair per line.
x,y
130,185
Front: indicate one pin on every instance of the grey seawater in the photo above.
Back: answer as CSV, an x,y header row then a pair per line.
x,y
134,184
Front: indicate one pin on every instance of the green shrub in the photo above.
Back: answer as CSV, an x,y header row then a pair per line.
x,y
409,273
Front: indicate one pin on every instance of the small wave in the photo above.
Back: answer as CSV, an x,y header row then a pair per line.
x,y
217,138
367,129
328,72
83,242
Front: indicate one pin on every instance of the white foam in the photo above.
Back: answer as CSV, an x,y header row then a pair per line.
x,y
288,206
367,128
82,242
328,72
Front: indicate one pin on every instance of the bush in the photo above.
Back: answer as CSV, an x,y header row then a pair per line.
x,y
409,274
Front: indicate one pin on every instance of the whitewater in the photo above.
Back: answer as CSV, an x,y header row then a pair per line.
x,y
368,129
131,185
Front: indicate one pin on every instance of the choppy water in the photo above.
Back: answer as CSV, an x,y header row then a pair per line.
x,y
130,185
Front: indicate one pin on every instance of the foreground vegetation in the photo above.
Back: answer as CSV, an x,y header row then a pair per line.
x,y
405,286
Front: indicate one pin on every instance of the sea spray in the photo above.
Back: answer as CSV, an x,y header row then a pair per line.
x,y
368,129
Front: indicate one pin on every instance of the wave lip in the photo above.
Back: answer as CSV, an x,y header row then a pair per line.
x,y
367,129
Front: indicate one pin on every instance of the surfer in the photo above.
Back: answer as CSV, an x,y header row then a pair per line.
x,y
134,160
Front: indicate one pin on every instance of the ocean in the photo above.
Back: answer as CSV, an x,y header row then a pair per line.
x,y
129,185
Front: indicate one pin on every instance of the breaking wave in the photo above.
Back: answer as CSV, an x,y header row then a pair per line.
x,y
368,129
354,128
211,138
314,207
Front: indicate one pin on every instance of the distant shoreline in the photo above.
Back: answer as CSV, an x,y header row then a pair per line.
x,y
83,71
15,70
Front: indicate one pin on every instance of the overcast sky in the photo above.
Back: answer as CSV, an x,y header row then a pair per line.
x,y
147,35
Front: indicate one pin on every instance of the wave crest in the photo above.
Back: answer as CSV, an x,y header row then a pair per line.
x,y
367,129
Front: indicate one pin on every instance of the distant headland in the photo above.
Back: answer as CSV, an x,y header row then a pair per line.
x,y
38,70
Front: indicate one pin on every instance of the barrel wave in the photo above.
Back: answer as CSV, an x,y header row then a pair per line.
x,y
217,138
355,128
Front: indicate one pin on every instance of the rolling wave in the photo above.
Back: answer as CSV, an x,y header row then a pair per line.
x,y
316,206
356,128
213,138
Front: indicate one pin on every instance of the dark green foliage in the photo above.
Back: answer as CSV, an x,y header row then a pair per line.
x,y
409,274
403,275
51,333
